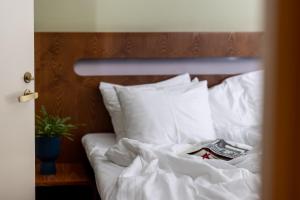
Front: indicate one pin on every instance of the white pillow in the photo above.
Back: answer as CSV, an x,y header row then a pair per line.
x,y
177,114
112,103
236,106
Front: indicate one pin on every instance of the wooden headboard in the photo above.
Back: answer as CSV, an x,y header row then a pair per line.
x,y
65,93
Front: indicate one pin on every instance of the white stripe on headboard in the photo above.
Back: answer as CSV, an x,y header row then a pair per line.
x,y
119,67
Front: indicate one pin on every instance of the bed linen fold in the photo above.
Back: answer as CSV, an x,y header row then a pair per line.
x,y
160,172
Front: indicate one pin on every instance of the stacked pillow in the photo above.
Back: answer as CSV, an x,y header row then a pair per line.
x,y
179,110
112,102
172,111
175,114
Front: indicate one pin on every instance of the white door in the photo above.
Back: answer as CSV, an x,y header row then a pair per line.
x,y
16,119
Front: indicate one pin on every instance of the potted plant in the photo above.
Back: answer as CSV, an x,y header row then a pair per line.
x,y
49,130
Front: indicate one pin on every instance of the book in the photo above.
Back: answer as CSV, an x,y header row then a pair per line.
x,y
219,149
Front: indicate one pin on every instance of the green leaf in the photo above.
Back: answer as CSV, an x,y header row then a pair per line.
x,y
47,125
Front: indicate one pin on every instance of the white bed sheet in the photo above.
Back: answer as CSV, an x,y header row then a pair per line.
x,y
106,172
137,163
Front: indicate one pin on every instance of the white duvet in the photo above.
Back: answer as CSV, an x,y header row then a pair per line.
x,y
160,172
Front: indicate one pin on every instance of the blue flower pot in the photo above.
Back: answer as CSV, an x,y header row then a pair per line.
x,y
47,151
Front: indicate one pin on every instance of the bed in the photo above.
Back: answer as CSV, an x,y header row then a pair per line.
x,y
131,164
62,90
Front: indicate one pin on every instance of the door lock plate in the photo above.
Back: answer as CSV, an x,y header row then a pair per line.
x,y
28,77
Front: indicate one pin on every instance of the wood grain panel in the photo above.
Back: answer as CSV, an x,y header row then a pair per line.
x,y
67,94
66,174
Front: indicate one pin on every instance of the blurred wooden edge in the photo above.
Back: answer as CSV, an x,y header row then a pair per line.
x,y
281,175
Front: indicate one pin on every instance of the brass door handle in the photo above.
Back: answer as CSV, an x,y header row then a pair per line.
x,y
28,95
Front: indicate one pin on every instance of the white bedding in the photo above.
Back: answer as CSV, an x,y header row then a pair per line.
x,y
134,170
236,106
174,114
106,172
112,103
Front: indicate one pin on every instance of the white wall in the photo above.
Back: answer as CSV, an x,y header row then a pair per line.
x,y
148,15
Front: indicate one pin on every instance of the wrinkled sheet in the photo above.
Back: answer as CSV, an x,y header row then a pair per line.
x,y
106,173
160,172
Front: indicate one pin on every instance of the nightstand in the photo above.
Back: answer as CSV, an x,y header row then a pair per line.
x,y
71,181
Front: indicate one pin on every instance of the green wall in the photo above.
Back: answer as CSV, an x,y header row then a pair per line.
x,y
148,15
